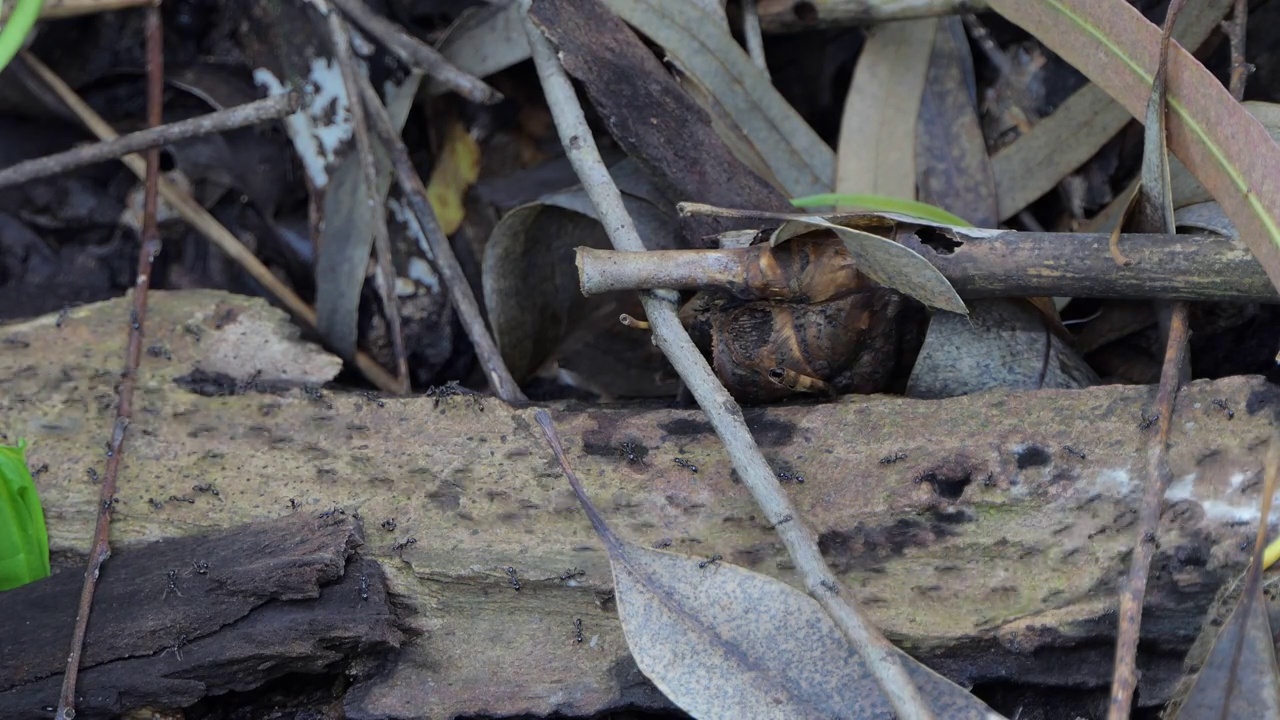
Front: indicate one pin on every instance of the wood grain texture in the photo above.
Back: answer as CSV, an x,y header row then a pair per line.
x,y
989,552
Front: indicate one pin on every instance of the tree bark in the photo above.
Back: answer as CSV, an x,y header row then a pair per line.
x,y
991,551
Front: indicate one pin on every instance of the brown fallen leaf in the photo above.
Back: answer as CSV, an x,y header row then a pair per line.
x,y
877,145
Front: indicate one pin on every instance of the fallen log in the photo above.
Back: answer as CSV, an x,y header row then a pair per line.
x,y
985,534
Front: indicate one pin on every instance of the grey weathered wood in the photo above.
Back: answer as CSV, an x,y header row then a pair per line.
x,y
990,552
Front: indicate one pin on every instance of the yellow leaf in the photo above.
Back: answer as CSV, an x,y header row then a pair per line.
x,y
456,170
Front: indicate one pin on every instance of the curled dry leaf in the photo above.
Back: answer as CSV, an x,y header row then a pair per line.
x,y
882,260
531,285
848,344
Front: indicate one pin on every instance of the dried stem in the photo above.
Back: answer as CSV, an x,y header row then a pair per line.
x,y
385,277
1155,192
723,412
202,220
1012,264
272,108
1135,585
500,379
418,54
150,247
1235,29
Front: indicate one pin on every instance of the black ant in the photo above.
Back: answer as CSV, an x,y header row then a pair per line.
x,y
577,630
511,577
1225,408
686,465
891,459
710,561
1073,451
173,584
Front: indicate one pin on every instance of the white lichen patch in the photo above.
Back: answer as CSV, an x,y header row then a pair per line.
x,y
323,125
1224,503
1114,481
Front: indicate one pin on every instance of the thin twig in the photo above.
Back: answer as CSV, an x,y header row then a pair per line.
x,y
755,40
1235,29
1134,590
150,247
272,108
726,417
203,221
385,277
446,261
1155,188
418,54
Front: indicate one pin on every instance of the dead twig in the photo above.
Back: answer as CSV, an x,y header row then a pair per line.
x,y
150,247
385,276
1235,29
202,220
272,108
418,54
464,300
723,412
1012,264
1155,212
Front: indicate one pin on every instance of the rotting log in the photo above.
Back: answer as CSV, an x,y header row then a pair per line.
x,y
182,618
991,551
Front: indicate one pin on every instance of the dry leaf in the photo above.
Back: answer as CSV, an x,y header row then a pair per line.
x,y
1223,146
455,171
1000,344
531,284
705,49
884,261
722,641
1037,161
876,150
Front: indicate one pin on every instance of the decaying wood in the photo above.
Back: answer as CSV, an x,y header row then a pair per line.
x,y
242,606
991,551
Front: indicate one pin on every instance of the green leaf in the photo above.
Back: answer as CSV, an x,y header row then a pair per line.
x,y
24,544
16,29
882,203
